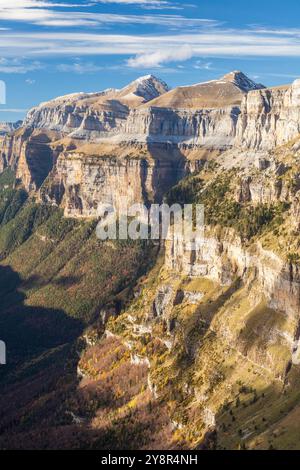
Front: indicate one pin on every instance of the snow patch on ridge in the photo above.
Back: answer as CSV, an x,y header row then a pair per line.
x,y
241,80
148,87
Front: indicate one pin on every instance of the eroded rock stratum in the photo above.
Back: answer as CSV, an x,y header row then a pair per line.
x,y
208,337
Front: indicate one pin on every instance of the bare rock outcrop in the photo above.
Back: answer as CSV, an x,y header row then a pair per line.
x,y
8,127
269,117
224,259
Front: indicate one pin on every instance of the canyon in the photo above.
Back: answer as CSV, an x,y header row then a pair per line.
x,y
206,334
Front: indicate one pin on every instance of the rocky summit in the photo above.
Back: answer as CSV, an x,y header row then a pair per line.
x,y
7,127
124,344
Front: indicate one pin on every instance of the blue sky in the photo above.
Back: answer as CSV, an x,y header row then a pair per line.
x,y
54,47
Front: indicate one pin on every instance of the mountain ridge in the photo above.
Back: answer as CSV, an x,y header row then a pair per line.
x,y
7,127
225,91
61,151
188,348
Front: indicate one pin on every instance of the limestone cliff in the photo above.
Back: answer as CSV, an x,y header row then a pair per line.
x,y
219,319
81,182
134,119
123,116
269,117
29,154
144,119
213,328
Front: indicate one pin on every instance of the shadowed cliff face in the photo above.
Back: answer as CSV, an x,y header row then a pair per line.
x,y
30,155
141,174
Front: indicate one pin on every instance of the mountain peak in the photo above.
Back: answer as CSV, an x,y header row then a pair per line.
x,y
151,79
147,87
7,127
145,78
242,81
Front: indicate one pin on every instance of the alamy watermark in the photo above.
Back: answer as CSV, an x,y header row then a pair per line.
x,y
157,222
2,92
2,343
2,353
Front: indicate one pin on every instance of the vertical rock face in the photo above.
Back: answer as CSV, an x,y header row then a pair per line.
x,y
80,120
12,148
215,128
269,117
30,155
224,260
81,183
162,301
268,185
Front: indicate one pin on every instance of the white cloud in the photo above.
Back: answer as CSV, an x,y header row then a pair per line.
x,y
41,13
13,110
147,4
200,65
30,81
137,2
18,66
209,43
38,12
150,50
80,67
44,4
14,4
161,56
46,17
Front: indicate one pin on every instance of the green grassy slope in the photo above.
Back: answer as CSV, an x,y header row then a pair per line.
x,y
55,278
